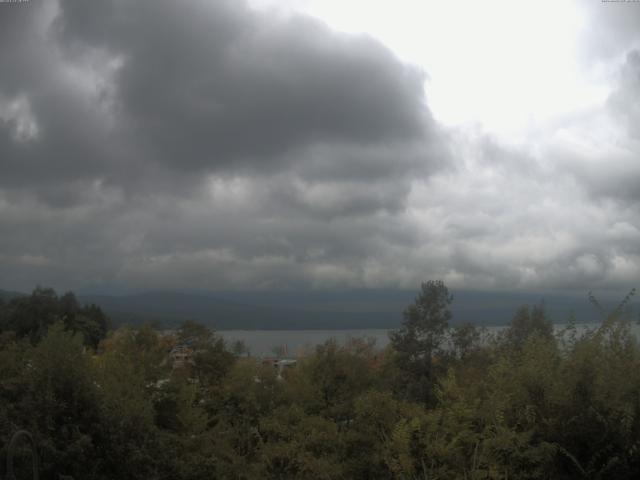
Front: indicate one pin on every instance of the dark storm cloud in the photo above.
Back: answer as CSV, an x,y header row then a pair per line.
x,y
201,144
211,85
47,131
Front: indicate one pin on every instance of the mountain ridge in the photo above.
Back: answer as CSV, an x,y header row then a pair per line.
x,y
318,310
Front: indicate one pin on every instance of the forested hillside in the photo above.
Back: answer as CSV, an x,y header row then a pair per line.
x,y
440,402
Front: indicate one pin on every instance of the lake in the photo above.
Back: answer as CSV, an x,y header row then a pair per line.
x,y
262,342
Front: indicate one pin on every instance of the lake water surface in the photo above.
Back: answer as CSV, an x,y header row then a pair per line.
x,y
262,342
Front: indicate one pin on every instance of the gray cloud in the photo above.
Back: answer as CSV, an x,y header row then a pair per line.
x,y
609,29
201,145
207,145
600,148
625,100
212,85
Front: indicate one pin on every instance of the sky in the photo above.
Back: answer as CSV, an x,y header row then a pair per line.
x,y
320,144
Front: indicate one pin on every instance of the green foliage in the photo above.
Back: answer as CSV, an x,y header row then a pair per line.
x,y
30,317
420,340
465,340
439,402
51,393
300,446
336,376
526,322
194,333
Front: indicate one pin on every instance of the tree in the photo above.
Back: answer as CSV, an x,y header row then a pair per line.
x,y
32,316
336,375
211,359
420,339
465,339
526,322
195,334
61,403
92,323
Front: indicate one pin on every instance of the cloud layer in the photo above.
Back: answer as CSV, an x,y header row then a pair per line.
x,y
163,144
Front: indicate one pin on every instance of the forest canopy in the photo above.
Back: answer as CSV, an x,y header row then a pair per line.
x,y
439,402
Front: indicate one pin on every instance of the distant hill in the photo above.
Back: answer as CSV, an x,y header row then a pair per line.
x,y
170,308
356,309
8,295
318,310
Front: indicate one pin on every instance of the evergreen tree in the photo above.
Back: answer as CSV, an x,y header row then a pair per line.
x,y
418,343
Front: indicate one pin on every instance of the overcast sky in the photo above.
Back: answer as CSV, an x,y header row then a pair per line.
x,y
218,144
